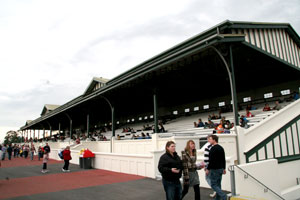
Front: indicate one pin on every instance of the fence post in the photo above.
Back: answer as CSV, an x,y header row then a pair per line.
x,y
232,180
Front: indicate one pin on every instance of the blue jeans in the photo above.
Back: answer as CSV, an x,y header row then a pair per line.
x,y
173,189
31,155
216,179
207,178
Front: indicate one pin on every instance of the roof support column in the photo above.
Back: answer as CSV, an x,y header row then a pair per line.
x,y
43,133
87,124
233,91
70,124
50,128
233,87
155,113
33,134
38,134
59,128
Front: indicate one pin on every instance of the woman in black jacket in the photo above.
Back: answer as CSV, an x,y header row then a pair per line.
x,y
170,167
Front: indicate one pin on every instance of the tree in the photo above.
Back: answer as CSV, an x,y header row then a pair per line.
x,y
12,137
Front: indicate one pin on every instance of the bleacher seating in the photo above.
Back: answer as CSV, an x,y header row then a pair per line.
x,y
184,124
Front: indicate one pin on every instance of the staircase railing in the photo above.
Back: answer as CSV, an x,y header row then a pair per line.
x,y
233,187
283,145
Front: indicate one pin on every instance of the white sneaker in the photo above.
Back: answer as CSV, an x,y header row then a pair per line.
x,y
68,170
63,170
43,171
213,195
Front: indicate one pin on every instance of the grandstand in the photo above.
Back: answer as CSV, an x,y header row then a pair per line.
x,y
220,71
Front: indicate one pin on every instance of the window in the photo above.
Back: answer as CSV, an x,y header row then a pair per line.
x,y
222,103
187,110
268,95
196,108
285,92
118,122
105,124
151,116
175,112
145,117
132,120
140,118
128,120
247,99
206,107
231,102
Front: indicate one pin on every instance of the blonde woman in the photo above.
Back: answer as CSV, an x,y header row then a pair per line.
x,y
190,174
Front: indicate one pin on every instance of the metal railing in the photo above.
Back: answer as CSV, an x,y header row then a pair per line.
x,y
233,186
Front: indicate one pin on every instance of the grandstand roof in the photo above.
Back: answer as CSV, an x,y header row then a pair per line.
x,y
262,48
48,108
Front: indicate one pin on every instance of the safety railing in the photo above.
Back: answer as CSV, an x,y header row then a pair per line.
x,y
247,175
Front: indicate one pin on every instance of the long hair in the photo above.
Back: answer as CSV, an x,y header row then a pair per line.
x,y
187,147
169,143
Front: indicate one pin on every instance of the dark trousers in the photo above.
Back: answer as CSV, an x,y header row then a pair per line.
x,y
172,189
25,154
196,190
44,166
66,166
9,155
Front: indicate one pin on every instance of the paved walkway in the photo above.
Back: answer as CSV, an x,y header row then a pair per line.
x,y
21,179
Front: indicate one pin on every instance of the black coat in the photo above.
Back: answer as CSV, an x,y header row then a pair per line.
x,y
166,163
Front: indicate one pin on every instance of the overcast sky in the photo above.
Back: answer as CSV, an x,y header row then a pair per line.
x,y
50,50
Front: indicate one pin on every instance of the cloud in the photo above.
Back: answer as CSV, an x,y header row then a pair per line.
x,y
50,50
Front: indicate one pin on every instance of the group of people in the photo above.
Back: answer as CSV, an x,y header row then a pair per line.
x,y
223,127
15,151
171,167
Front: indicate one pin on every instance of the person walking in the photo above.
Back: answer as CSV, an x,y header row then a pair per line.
x,y
32,151
40,153
170,167
67,157
9,151
216,166
46,158
190,174
4,152
26,151
206,162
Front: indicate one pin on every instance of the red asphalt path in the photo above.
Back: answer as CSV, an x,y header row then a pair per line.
x,y
58,182
18,162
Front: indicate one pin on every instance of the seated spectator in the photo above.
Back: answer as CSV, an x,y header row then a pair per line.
x,y
77,140
249,114
227,126
267,107
148,136
143,136
118,137
162,128
213,116
243,122
195,125
295,95
209,118
210,124
277,106
220,127
200,123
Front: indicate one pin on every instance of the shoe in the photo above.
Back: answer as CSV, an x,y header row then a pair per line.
x,y
213,195
43,171
63,170
68,170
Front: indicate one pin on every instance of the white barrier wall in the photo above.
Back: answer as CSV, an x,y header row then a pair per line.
x,y
281,178
131,164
